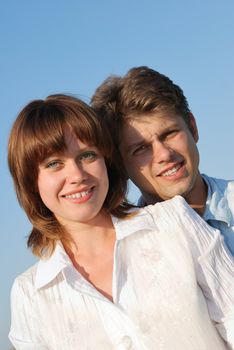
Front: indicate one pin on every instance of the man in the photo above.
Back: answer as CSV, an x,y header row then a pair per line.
x,y
156,134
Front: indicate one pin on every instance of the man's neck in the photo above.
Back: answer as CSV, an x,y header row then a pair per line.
x,y
196,198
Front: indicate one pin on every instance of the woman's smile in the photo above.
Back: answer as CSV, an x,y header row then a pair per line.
x,y
74,183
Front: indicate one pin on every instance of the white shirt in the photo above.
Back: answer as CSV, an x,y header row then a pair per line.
x,y
159,256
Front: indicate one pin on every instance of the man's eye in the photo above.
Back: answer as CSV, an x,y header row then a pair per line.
x,y
171,133
140,149
88,156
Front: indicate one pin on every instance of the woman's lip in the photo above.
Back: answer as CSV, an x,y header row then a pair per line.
x,y
78,193
80,197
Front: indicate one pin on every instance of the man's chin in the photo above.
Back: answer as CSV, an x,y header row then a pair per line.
x,y
179,192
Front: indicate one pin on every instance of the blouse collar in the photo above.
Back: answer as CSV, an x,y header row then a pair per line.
x,y
49,268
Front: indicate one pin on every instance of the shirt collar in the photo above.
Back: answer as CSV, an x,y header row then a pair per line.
x,y
49,268
141,202
141,221
217,207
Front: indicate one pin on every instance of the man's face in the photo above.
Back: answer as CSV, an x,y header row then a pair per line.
x,y
160,154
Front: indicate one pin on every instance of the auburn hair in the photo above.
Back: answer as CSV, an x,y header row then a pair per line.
x,y
37,133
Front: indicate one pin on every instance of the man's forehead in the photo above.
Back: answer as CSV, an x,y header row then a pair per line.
x,y
146,122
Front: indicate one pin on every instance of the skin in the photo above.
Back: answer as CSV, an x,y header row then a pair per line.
x,y
161,157
74,185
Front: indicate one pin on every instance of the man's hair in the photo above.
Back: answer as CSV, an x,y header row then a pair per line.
x,y
142,90
37,133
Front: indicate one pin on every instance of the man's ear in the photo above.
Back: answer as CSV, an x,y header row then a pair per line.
x,y
193,126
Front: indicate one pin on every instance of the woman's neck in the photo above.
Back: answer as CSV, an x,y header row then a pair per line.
x,y
91,251
89,238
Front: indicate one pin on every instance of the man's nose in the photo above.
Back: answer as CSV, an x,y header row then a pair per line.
x,y
161,152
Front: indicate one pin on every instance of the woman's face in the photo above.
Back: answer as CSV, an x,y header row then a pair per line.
x,y
74,184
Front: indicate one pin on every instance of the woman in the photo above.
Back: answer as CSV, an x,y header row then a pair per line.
x,y
109,276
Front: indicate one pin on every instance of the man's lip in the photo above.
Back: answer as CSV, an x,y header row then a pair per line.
x,y
180,164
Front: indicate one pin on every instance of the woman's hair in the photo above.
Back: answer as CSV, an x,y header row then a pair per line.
x,y
37,133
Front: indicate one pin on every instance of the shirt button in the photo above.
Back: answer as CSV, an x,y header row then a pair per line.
x,y
125,343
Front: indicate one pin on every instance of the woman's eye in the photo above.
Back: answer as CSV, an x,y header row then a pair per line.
x,y
53,164
89,156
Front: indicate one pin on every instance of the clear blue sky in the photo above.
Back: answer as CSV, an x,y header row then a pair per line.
x,y
72,46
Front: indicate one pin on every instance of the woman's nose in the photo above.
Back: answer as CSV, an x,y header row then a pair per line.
x,y
76,173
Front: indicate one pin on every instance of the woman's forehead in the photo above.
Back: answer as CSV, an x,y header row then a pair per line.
x,y
68,140
72,141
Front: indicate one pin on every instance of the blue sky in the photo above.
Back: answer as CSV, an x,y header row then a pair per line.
x,y
72,46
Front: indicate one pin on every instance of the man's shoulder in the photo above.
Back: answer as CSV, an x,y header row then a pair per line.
x,y
215,184
220,199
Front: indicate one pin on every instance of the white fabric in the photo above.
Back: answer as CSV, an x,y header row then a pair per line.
x,y
160,255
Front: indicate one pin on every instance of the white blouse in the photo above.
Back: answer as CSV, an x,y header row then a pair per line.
x,y
161,257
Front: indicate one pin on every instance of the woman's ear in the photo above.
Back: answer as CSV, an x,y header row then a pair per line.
x,y
193,127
